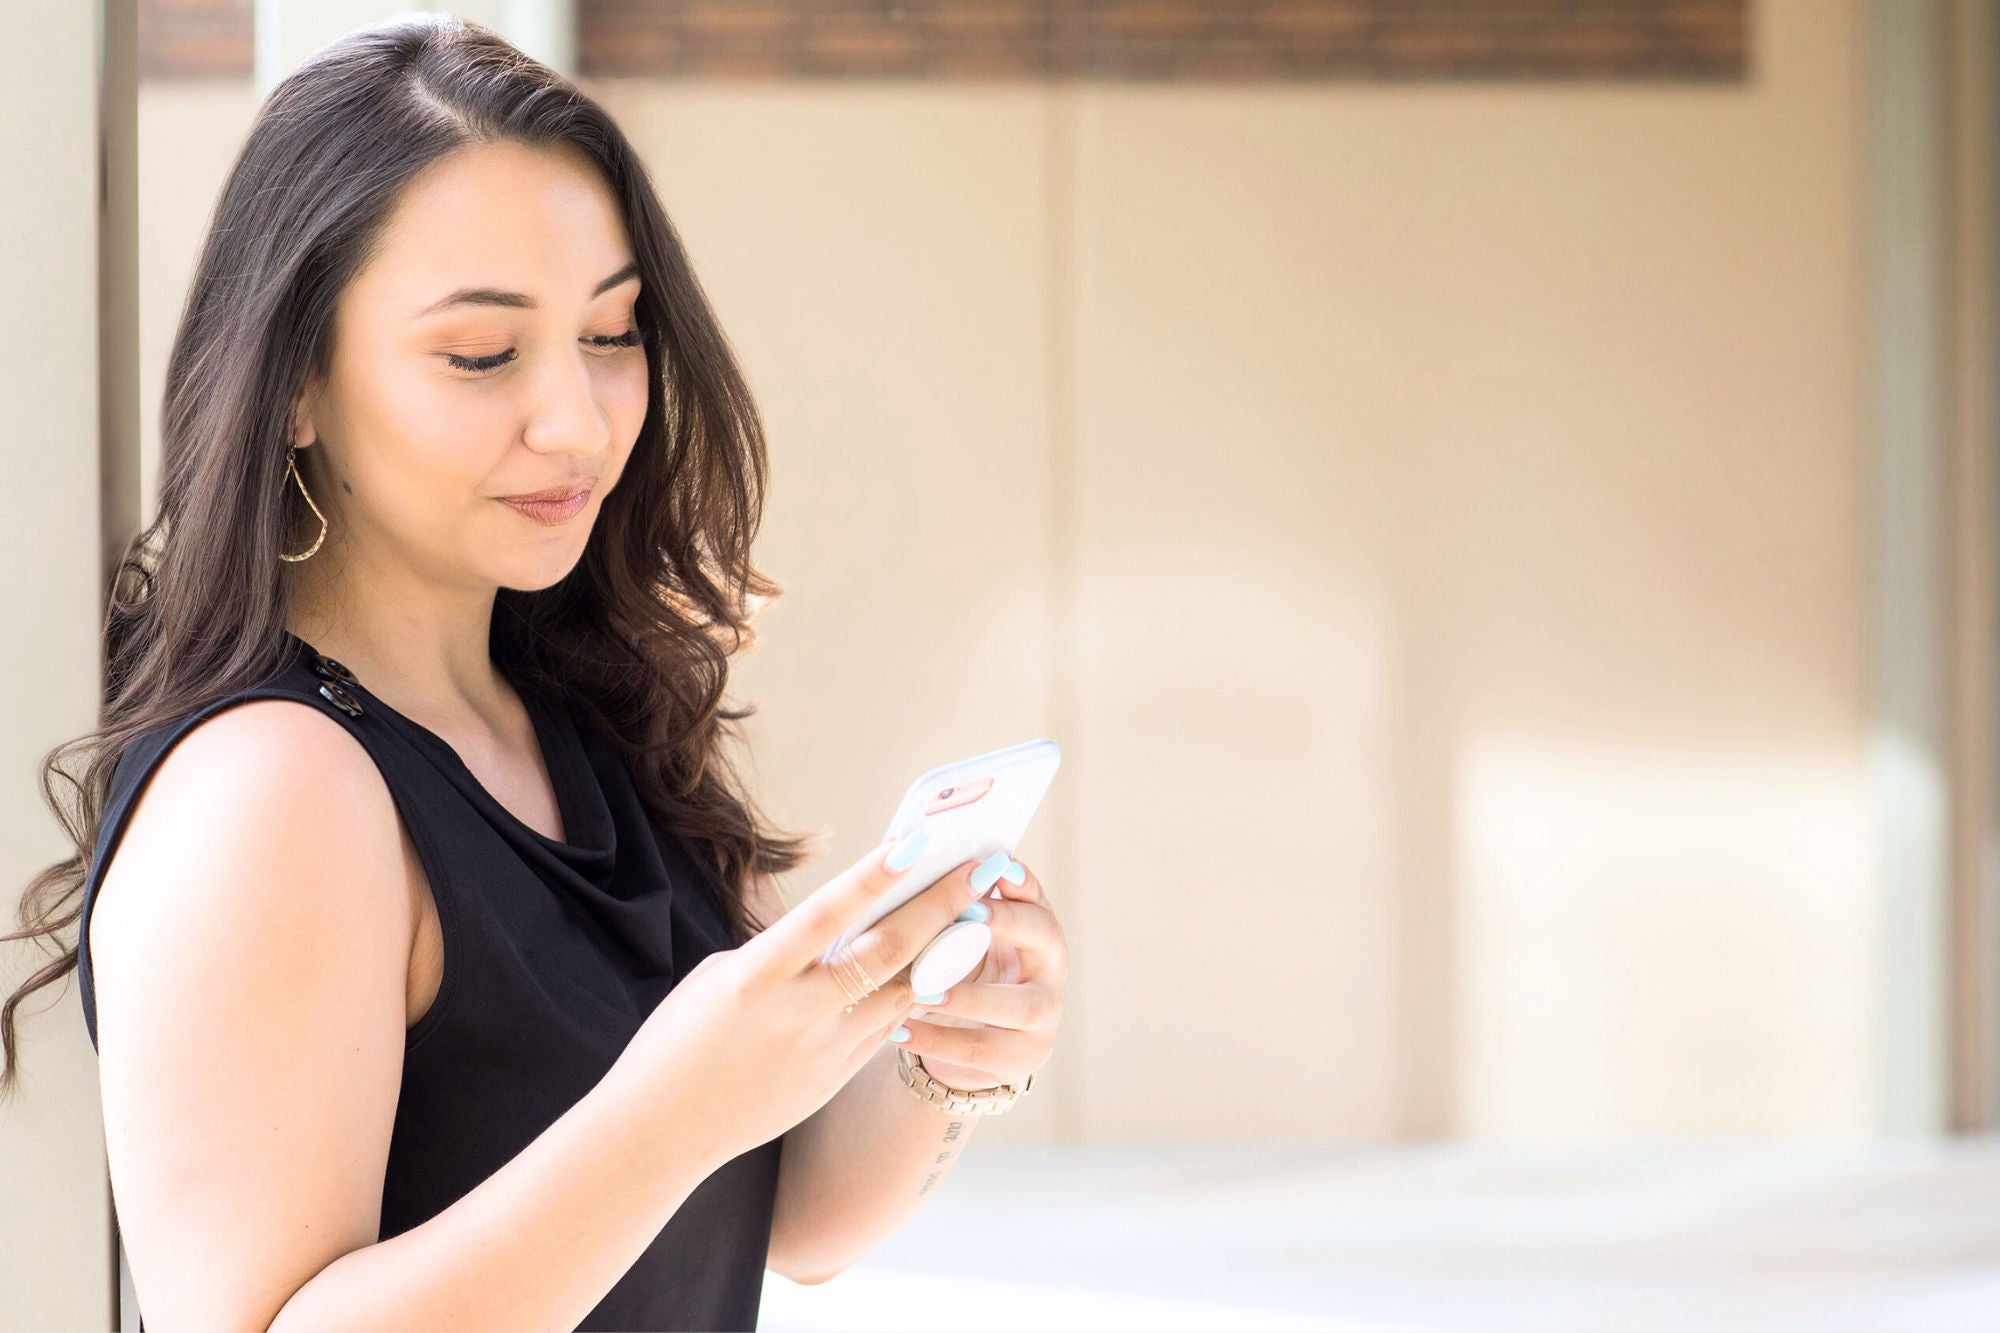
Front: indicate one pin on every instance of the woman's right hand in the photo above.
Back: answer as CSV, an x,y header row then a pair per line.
x,y
754,1039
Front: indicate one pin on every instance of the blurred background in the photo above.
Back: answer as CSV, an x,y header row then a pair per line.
x,y
1496,500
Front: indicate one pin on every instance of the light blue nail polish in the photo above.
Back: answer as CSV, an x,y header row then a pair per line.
x,y
905,853
987,872
1015,873
931,999
900,1034
976,912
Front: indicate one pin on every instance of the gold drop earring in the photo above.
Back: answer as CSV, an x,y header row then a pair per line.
x,y
292,467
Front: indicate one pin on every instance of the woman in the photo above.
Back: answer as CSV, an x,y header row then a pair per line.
x,y
440,981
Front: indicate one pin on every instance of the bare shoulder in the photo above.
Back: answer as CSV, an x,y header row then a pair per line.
x,y
268,786
250,952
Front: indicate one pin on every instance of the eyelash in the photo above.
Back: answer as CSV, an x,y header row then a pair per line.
x,y
498,359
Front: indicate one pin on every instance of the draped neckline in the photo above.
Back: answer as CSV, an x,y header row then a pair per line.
x,y
590,837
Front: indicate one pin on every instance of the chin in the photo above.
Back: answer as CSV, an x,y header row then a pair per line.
x,y
535,575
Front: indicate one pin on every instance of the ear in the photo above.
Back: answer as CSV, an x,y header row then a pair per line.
x,y
303,433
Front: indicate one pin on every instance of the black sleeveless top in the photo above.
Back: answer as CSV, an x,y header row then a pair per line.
x,y
554,953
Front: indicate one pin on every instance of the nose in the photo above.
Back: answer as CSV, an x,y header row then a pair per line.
x,y
567,418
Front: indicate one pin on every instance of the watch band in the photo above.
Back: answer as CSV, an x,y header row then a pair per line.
x,y
984,1101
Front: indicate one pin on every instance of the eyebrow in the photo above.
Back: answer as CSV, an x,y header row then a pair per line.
x,y
518,300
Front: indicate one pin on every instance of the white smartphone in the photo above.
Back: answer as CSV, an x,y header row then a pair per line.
x,y
970,809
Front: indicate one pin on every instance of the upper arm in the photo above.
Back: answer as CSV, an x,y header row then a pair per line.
x,y
250,948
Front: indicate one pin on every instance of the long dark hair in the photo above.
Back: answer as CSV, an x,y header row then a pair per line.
x,y
636,639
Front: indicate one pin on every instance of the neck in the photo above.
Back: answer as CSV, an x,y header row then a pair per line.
x,y
422,649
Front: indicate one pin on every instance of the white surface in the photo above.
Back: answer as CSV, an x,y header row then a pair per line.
x,y
1437,1238
950,958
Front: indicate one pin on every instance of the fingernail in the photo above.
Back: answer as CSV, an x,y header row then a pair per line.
x,y
904,854
1015,873
976,912
987,871
900,1034
931,999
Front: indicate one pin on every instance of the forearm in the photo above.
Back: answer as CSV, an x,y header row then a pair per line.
x,y
860,1167
535,1245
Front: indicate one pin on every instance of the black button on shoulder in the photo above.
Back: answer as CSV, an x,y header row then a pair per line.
x,y
328,669
334,680
336,694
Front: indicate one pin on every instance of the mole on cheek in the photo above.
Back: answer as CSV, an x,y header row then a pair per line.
x,y
345,487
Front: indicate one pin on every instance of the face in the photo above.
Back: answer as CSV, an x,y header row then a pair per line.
x,y
489,349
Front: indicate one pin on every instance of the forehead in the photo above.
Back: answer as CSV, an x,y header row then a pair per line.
x,y
540,220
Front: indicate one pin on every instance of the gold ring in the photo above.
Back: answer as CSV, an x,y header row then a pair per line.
x,y
853,977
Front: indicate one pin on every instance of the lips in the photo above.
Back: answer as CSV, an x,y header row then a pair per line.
x,y
553,493
552,506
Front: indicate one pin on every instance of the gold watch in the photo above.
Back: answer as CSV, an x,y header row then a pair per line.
x,y
985,1101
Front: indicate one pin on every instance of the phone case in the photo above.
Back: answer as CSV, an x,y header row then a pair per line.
x,y
971,809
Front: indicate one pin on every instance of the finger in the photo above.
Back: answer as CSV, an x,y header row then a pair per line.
x,y
887,948
1028,1006
870,1018
987,1048
869,1041
1022,885
876,1017
1035,934
803,935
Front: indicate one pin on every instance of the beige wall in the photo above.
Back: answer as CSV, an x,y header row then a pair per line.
x,y
1430,518
55,1214
1472,476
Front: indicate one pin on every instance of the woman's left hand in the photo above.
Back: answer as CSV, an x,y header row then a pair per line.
x,y
1013,999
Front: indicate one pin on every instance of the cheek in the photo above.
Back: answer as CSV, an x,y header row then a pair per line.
x,y
624,393
424,463
423,431
446,451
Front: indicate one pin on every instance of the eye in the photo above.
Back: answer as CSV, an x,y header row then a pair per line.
x,y
609,341
480,362
631,338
